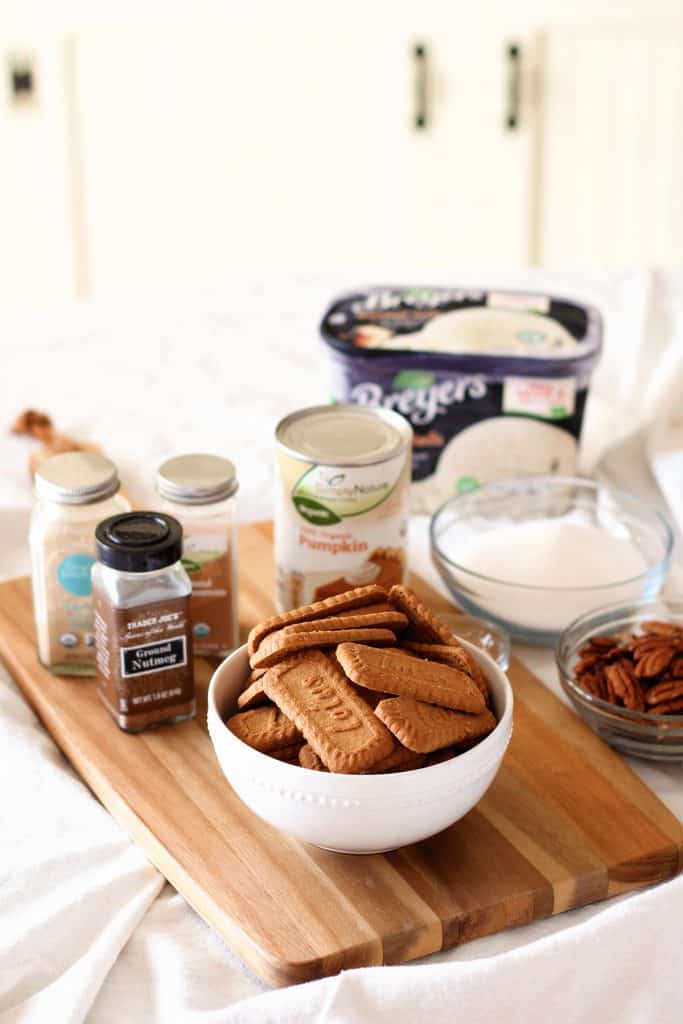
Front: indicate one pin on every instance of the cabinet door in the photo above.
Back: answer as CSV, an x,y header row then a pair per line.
x,y
611,146
292,146
38,246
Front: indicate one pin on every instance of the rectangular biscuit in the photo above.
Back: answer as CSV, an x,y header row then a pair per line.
x,y
356,598
342,730
424,625
424,727
400,759
309,759
371,697
455,656
381,606
279,645
265,729
254,694
367,617
395,671
288,754
444,754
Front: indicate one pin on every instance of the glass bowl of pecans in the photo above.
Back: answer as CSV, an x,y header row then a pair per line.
x,y
622,668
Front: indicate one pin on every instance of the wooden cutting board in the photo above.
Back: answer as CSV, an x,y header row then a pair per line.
x,y
565,823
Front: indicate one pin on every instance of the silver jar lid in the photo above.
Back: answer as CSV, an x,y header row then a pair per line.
x,y
76,478
197,479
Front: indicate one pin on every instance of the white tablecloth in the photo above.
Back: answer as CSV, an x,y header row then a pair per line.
x,y
88,929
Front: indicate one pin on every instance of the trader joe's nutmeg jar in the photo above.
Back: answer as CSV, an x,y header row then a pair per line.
x,y
143,635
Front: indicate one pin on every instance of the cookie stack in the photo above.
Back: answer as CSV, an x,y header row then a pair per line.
x,y
362,682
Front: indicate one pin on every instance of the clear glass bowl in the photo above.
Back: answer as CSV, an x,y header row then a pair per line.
x,y
641,734
538,614
485,635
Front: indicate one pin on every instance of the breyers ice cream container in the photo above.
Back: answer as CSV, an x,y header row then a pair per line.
x,y
494,383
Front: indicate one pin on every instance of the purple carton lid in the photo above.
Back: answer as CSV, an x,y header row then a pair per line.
x,y
494,333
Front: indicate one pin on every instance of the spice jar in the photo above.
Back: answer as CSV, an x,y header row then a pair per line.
x,y
74,492
200,491
143,636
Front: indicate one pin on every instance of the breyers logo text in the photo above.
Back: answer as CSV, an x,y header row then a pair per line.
x,y
421,405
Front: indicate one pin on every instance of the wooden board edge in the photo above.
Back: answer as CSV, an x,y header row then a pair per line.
x,y
276,972
140,833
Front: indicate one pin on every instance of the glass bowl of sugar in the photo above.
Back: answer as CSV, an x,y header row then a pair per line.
x,y
534,553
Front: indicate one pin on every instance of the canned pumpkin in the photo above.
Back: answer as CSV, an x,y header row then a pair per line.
x,y
341,509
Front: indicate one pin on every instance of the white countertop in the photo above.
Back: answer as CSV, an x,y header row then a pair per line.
x,y
88,929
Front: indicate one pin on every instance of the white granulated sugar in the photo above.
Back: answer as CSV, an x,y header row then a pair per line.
x,y
553,553
558,553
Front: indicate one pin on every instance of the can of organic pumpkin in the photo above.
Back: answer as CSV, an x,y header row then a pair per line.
x,y
341,505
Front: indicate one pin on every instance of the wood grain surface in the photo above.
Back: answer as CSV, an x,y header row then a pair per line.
x,y
565,823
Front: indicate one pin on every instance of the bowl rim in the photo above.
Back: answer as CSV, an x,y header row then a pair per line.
x,y
507,484
472,765
603,616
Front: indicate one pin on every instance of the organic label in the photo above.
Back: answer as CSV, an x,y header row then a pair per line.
x,y
313,512
73,574
325,495
208,562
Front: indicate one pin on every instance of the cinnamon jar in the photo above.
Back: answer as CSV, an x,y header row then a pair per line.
x,y
199,490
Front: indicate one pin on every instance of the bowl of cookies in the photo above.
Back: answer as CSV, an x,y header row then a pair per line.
x,y
359,723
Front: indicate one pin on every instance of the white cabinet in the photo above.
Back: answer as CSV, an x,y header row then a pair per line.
x,y
611,145
38,259
161,158
292,146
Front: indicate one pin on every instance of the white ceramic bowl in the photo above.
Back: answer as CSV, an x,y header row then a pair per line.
x,y
356,813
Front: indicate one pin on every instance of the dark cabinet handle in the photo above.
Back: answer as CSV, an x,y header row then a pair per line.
x,y
514,78
421,90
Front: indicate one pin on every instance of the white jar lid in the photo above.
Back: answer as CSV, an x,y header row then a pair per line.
x,y
197,479
76,478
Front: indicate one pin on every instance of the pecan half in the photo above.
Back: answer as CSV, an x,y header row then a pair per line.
x,y
625,684
644,644
668,707
593,682
603,642
669,689
652,663
654,626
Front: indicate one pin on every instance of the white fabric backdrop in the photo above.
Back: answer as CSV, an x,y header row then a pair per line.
x,y
88,929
